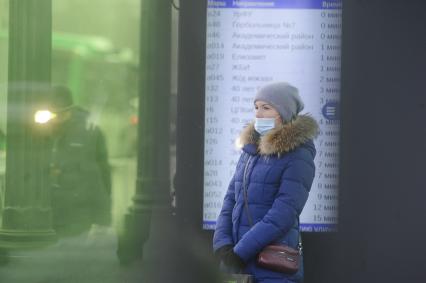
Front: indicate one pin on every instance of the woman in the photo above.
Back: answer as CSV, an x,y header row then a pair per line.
x,y
276,169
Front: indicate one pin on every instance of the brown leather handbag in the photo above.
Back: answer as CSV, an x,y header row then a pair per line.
x,y
279,258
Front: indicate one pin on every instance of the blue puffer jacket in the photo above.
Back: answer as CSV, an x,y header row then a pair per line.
x,y
278,169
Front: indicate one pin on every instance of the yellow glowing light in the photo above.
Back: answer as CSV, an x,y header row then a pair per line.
x,y
43,116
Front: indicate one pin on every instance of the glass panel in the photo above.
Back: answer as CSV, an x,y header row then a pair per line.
x,y
70,90
89,135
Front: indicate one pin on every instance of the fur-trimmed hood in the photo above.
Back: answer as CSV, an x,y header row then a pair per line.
x,y
282,139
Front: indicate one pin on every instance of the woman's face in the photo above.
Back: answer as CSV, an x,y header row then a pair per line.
x,y
265,110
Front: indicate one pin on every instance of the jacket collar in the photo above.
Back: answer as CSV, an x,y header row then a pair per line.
x,y
282,139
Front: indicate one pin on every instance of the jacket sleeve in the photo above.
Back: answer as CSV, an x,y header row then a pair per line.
x,y
293,193
223,231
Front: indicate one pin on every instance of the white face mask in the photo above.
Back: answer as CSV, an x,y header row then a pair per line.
x,y
264,125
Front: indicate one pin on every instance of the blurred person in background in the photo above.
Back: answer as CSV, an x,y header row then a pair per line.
x,y
270,186
79,169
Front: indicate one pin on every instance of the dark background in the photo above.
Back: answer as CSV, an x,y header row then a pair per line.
x,y
383,145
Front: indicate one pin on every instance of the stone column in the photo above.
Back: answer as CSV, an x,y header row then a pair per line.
x,y
26,220
153,181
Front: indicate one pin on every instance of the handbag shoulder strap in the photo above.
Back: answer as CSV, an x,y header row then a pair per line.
x,y
245,188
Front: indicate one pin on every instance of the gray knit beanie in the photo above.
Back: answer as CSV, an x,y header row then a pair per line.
x,y
283,97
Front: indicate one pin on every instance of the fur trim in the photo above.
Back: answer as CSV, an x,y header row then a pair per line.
x,y
284,138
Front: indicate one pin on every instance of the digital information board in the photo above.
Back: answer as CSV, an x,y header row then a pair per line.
x,y
253,43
